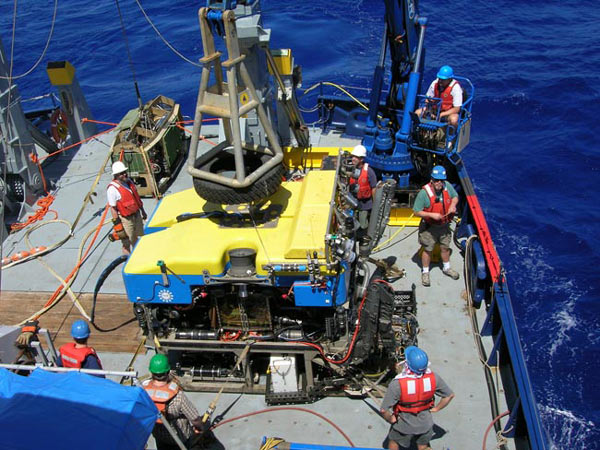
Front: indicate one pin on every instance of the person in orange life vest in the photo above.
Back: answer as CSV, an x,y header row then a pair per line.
x,y
172,402
410,400
126,207
79,354
363,185
436,204
446,88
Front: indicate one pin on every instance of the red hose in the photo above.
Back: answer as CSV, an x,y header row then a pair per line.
x,y
505,413
290,408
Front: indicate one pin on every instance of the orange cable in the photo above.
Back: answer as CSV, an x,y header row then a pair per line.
x,y
76,144
85,119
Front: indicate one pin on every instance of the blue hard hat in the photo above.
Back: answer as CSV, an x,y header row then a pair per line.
x,y
416,359
445,72
438,173
80,329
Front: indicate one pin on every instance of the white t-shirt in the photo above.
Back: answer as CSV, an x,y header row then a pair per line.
x,y
457,92
112,195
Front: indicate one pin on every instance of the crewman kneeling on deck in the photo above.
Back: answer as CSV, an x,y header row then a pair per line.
x,y
436,205
126,207
410,400
174,405
79,354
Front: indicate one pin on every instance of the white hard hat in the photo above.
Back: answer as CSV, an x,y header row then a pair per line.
x,y
359,151
118,167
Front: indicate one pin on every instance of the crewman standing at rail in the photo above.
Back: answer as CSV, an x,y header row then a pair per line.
x,y
79,354
410,400
177,408
126,207
436,205
364,184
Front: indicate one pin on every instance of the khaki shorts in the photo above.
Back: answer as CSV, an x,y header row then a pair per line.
x,y
404,439
134,228
429,235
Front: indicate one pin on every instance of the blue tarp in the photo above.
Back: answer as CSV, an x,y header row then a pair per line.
x,y
72,410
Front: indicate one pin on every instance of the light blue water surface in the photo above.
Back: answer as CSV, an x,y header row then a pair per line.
x,y
533,158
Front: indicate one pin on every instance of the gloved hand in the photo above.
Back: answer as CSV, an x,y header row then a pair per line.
x,y
118,230
201,427
29,330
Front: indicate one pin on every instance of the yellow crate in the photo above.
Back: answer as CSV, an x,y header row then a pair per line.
x,y
60,72
402,216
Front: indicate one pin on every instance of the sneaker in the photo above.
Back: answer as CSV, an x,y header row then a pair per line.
x,y
451,273
425,279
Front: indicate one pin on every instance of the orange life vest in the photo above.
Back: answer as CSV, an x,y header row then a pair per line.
x,y
130,201
72,356
365,191
416,392
161,395
445,95
436,206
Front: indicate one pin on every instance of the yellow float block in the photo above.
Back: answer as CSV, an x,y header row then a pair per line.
x,y
194,246
403,217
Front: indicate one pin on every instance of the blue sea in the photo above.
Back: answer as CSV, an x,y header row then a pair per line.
x,y
533,156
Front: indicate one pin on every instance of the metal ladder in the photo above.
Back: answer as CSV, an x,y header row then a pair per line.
x,y
222,99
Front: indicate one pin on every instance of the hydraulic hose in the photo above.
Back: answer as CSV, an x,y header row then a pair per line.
x,y
101,279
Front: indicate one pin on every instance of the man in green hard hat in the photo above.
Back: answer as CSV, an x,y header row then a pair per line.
x,y
174,405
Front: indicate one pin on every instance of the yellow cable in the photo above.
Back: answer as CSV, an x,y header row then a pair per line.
x,y
395,234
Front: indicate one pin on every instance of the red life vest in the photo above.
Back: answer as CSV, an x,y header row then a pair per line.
x,y
445,95
436,206
160,395
365,191
130,201
416,393
72,356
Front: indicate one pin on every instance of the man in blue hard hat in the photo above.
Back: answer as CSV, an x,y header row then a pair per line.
x,y
436,204
79,354
410,400
448,90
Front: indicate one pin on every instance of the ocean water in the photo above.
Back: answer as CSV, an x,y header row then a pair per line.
x,y
533,155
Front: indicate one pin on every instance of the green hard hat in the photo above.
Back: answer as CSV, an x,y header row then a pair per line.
x,y
159,364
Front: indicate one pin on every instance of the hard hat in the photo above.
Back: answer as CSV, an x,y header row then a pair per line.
x,y
159,364
445,72
360,151
118,167
80,329
438,173
416,359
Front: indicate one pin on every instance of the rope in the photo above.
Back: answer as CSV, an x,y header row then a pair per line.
x,y
394,235
16,77
489,427
287,408
337,86
68,147
137,90
173,49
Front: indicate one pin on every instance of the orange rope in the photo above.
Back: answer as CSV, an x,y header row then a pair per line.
x,y
202,138
212,119
76,144
54,296
85,119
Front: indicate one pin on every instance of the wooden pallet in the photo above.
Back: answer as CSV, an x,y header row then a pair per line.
x,y
111,311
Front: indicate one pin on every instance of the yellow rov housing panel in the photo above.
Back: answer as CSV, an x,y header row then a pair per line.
x,y
290,223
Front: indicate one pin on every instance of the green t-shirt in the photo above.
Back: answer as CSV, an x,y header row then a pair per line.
x,y
422,200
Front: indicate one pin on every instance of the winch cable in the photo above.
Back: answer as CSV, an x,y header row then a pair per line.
x,y
101,279
489,377
135,83
287,408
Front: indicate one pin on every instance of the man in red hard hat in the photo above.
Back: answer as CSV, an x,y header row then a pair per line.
x,y
126,207
410,400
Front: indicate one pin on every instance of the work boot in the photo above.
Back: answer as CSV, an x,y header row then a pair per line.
x,y
451,273
425,279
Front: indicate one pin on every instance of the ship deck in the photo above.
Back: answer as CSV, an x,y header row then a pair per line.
x,y
445,330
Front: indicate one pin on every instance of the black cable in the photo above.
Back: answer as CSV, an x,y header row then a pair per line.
x,y
101,279
137,90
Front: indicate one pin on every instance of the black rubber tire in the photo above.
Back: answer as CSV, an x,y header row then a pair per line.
x,y
223,163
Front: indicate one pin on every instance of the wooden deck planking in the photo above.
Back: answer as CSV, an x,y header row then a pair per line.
x,y
111,311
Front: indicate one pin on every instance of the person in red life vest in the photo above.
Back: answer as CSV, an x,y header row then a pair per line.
x,y
177,408
446,88
362,184
410,400
126,207
436,204
79,354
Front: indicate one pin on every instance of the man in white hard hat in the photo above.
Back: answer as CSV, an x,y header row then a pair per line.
x,y
365,182
126,207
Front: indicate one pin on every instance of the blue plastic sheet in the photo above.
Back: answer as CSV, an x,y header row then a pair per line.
x,y
72,410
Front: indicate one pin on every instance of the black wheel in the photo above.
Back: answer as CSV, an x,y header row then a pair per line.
x,y
223,164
